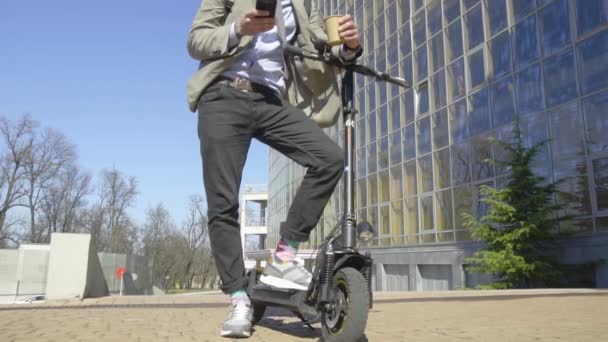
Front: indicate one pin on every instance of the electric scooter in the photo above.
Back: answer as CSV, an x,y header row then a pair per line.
x,y
340,293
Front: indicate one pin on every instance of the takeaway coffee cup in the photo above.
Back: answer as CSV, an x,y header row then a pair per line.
x,y
331,28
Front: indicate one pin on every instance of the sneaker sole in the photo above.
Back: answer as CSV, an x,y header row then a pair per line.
x,y
282,283
230,333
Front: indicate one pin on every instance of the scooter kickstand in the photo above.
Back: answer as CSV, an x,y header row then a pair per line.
x,y
304,320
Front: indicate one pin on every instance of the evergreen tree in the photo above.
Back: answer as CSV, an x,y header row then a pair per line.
x,y
520,225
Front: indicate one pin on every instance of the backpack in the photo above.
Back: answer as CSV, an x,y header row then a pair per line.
x,y
307,5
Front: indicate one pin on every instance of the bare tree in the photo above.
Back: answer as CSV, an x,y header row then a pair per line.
x,y
157,229
197,236
50,153
17,140
64,201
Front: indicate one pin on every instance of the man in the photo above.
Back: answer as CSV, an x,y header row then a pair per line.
x,y
240,93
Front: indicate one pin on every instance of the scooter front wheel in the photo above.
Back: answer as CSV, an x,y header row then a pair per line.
x,y
345,318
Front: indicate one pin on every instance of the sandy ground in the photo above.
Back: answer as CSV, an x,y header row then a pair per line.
x,y
546,315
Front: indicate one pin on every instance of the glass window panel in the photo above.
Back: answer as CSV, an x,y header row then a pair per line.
x,y
560,78
409,106
480,207
554,21
371,126
423,101
372,158
474,24
392,49
438,83
456,80
372,217
503,105
440,129
596,116
469,3
451,10
461,163
453,41
423,135
525,42
463,203
497,14
419,28
443,210
397,232
405,42
421,63
567,133
523,7
503,134
418,4
437,53
410,186
534,131
409,142
425,174
501,56
396,185
383,118
434,16
391,15
404,7
372,189
411,216
479,117
442,168
361,161
383,188
362,193
406,68
591,14
476,69
481,154
369,38
395,110
380,27
383,153
459,127
426,211
593,54
573,189
530,97
395,148
600,173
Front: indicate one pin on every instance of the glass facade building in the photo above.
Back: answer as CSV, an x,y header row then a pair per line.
x,y
421,158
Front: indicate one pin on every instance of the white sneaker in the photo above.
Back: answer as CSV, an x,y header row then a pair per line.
x,y
288,275
238,323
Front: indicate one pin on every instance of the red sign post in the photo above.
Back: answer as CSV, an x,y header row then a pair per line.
x,y
119,273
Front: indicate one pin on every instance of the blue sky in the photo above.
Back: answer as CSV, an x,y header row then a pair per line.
x,y
111,76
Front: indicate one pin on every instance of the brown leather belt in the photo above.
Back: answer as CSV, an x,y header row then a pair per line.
x,y
241,84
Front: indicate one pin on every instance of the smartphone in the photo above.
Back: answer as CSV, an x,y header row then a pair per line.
x,y
266,5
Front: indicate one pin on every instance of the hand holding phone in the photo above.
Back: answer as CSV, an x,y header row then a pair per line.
x,y
254,21
267,5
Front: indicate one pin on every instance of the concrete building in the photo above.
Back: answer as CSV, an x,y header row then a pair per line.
x,y
421,160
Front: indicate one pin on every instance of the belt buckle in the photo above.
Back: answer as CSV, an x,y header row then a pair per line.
x,y
242,84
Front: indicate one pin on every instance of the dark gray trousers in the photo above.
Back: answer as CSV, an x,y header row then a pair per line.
x,y
227,121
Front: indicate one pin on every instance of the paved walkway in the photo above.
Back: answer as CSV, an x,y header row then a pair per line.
x,y
526,315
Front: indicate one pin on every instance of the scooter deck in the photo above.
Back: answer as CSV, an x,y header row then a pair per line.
x,y
291,299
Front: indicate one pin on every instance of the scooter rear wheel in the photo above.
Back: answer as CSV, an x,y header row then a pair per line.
x,y
346,317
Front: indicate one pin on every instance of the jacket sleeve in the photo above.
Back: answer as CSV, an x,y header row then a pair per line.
x,y
209,36
318,33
